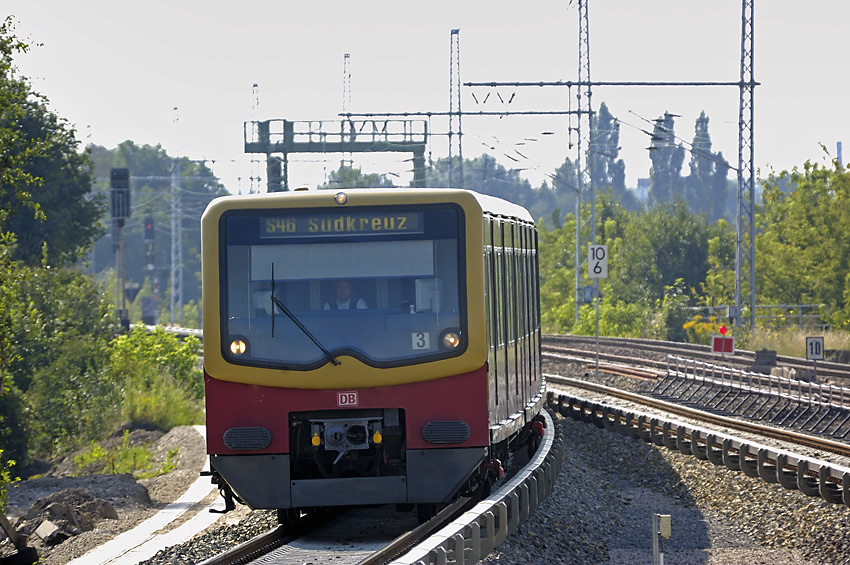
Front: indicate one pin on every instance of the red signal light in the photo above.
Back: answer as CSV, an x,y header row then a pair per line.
x,y
723,330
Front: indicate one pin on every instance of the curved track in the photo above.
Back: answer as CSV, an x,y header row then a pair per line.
x,y
719,439
473,529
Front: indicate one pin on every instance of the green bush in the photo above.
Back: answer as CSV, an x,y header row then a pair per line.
x,y
65,380
700,329
673,308
5,479
616,320
54,329
160,381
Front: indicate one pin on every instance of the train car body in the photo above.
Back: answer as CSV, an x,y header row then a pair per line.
x,y
408,394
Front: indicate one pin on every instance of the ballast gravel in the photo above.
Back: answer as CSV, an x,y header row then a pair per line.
x,y
601,508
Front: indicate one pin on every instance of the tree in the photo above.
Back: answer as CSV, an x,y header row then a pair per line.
x,y
719,285
706,189
667,158
606,171
803,240
656,249
15,150
485,175
69,219
559,196
45,184
557,275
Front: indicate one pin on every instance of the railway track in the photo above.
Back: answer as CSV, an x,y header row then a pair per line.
x,y
739,445
810,466
782,430
651,353
466,527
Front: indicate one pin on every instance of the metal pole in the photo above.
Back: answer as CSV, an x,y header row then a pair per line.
x,y
596,291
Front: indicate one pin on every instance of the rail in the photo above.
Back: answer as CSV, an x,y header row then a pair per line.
x,y
742,358
775,316
464,532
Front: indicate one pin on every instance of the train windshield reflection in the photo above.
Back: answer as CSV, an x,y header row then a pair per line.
x,y
300,288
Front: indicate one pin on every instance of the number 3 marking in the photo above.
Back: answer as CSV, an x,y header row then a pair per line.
x,y
421,340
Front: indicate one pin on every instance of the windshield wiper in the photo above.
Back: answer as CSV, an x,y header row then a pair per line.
x,y
276,302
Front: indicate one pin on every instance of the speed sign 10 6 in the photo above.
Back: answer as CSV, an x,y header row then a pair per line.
x,y
597,261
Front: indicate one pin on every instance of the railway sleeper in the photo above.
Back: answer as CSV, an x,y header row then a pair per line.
x,y
645,428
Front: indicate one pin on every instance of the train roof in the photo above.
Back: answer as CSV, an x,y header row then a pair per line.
x,y
491,205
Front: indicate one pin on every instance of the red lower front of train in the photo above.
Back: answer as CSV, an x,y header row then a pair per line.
x,y
292,448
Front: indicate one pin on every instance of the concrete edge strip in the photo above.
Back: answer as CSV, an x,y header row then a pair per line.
x,y
141,543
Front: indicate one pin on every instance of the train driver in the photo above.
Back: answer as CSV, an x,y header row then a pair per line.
x,y
345,297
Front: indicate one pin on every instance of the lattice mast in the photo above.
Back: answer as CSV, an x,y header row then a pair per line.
x,y
176,278
455,112
255,163
347,158
745,247
584,119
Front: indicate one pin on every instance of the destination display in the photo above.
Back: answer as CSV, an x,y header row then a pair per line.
x,y
312,225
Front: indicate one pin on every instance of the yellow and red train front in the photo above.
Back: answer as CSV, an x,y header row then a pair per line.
x,y
345,346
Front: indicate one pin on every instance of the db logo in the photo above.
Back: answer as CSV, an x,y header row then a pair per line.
x,y
346,399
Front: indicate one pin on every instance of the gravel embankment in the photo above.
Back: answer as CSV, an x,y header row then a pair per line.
x,y
610,486
601,510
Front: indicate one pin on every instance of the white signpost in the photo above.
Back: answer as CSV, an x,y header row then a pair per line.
x,y
814,353
597,261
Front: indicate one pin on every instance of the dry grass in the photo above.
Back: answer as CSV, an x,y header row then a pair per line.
x,y
792,342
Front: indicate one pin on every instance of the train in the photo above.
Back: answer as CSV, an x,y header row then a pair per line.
x,y
368,346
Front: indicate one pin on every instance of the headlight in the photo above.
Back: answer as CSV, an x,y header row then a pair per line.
x,y
238,346
450,339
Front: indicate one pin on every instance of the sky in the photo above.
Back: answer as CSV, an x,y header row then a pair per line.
x,y
182,74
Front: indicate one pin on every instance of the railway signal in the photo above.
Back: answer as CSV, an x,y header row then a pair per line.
x,y
723,344
119,183
149,228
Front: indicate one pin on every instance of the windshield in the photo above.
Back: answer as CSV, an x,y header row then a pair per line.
x,y
302,287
